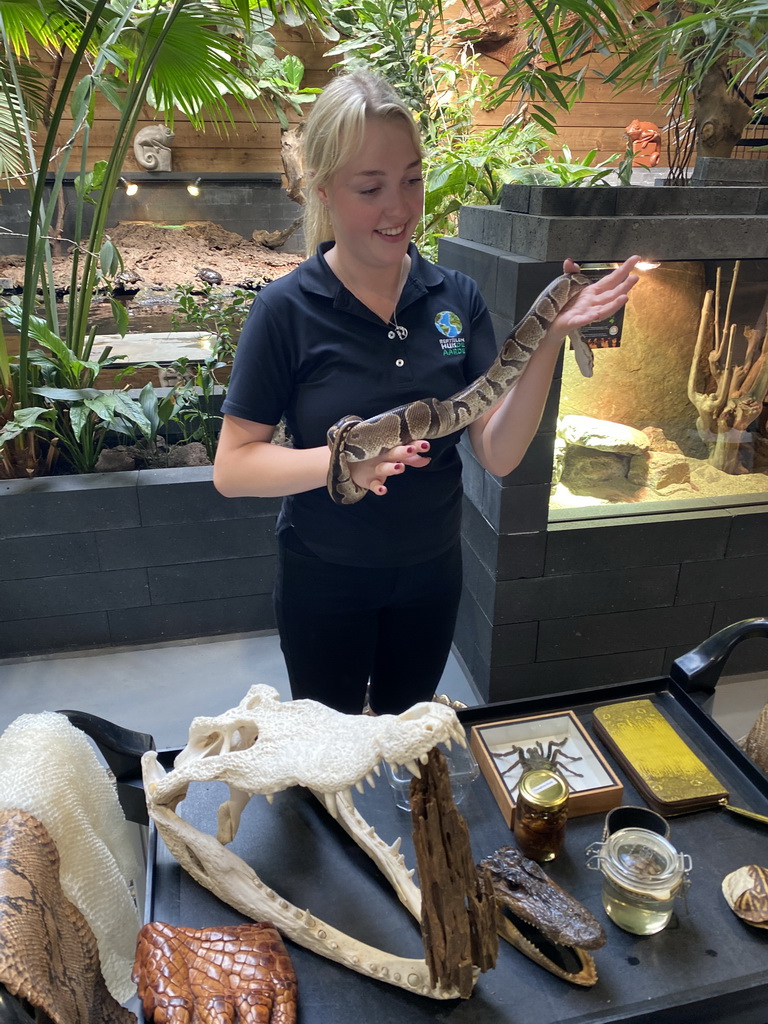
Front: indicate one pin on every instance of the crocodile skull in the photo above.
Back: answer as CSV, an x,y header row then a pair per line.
x,y
264,746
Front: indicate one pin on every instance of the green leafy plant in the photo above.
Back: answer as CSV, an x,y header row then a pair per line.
x,y
200,396
699,54
199,400
149,431
74,415
220,316
191,54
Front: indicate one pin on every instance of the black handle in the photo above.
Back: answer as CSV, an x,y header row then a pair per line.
x,y
700,668
121,748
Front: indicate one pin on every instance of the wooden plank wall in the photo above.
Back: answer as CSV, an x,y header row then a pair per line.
x,y
596,122
246,147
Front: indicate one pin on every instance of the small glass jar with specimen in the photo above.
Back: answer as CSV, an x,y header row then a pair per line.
x,y
642,875
541,812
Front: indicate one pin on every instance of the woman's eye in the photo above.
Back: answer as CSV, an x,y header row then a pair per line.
x,y
369,191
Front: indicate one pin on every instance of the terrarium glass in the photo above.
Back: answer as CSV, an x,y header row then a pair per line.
x,y
676,408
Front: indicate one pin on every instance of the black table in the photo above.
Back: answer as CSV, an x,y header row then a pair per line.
x,y
706,966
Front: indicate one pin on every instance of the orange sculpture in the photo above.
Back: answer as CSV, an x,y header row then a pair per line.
x,y
645,137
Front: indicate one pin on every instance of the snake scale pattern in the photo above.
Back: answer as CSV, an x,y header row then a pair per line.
x,y
48,954
353,439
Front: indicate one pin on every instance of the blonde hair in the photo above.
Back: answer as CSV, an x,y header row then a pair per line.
x,y
334,133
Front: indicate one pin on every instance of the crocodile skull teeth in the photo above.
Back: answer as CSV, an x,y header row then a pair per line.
x,y
264,746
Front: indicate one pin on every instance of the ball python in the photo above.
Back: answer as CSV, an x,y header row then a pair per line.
x,y
353,439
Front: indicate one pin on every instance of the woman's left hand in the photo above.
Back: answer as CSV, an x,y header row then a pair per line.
x,y
598,300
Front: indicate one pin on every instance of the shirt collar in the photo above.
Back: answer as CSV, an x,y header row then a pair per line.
x,y
316,276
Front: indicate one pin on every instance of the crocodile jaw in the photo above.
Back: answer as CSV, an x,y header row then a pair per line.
x,y
586,974
265,746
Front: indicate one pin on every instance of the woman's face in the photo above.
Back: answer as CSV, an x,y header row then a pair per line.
x,y
375,200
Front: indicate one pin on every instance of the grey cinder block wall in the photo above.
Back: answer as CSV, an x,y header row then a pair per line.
x,y
241,203
553,606
127,558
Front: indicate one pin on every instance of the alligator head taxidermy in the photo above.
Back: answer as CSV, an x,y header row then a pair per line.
x,y
265,746
542,920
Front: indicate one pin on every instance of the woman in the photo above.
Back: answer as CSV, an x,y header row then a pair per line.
x,y
367,595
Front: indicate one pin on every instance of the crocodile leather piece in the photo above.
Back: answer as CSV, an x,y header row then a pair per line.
x,y
241,973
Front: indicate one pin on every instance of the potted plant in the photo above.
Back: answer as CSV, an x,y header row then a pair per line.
x,y
100,559
119,53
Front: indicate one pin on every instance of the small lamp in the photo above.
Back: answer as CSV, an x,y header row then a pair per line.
x,y
194,187
131,188
647,265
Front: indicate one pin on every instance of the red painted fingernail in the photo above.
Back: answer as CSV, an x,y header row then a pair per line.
x,y
410,449
398,466
424,445
380,490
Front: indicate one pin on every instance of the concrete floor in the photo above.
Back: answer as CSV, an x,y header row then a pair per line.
x,y
159,689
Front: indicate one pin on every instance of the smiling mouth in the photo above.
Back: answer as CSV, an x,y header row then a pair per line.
x,y
391,232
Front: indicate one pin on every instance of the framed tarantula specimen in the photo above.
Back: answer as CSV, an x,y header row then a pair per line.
x,y
505,749
530,758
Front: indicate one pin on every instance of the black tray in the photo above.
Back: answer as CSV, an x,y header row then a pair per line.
x,y
706,965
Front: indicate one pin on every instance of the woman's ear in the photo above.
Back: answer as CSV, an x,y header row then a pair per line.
x,y
320,190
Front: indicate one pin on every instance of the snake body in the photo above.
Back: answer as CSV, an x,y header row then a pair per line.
x,y
353,439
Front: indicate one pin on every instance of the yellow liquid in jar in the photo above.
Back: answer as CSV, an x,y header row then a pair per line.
x,y
636,912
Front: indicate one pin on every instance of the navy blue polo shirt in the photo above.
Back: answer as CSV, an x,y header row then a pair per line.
x,y
312,350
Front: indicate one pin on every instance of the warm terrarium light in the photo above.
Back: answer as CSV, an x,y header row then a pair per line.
x,y
194,187
131,188
647,265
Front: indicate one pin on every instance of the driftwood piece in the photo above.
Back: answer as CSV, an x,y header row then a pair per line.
x,y
739,369
242,969
48,953
290,152
721,113
458,914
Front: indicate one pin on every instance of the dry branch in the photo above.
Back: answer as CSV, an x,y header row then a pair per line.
x,y
739,373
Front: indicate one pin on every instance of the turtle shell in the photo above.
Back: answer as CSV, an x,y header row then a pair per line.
x,y
208,275
746,892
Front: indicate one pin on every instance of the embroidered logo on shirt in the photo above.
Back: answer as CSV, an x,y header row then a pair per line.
x,y
448,324
450,327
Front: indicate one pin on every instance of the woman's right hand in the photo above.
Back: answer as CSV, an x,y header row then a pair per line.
x,y
372,474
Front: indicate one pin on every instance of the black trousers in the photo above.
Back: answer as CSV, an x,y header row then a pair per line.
x,y
344,629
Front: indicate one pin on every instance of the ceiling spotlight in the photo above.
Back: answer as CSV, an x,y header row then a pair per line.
x,y
131,188
194,187
647,265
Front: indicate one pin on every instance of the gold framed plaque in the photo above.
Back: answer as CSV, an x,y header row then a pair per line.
x,y
666,772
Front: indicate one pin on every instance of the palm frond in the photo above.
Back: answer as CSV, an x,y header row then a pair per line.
x,y
197,63
12,162
49,23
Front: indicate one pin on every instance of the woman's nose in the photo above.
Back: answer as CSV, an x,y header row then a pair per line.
x,y
398,202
